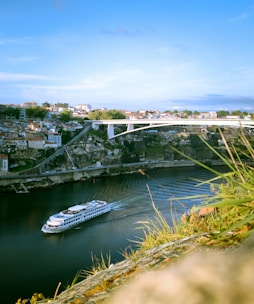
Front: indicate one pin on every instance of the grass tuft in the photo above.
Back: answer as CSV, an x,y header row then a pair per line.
x,y
232,204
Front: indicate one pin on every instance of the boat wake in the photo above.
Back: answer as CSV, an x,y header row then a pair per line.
x,y
116,206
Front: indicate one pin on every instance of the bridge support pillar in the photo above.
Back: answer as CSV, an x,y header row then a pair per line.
x,y
130,127
111,131
95,126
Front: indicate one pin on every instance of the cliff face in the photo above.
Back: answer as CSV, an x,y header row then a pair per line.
x,y
143,146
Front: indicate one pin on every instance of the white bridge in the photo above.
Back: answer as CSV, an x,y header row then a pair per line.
x,y
132,125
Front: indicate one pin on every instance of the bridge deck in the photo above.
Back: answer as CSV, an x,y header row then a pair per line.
x,y
167,122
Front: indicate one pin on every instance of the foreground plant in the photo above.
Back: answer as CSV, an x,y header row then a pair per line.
x,y
230,218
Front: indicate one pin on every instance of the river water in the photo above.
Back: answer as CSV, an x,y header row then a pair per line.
x,y
33,262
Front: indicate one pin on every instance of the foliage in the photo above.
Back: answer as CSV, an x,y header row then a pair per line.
x,y
46,104
62,105
36,112
110,114
101,133
29,163
98,264
222,113
186,113
65,116
66,136
34,299
12,112
231,216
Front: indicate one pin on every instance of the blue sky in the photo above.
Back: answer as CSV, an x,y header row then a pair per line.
x,y
128,54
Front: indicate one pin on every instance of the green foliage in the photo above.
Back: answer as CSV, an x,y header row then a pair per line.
x,y
65,116
66,136
36,112
222,113
46,104
29,163
195,141
231,217
110,114
186,113
12,112
101,133
62,105
236,113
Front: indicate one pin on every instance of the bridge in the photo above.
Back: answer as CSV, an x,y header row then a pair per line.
x,y
133,125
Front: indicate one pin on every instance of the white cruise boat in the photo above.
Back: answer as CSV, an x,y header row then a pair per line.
x,y
75,215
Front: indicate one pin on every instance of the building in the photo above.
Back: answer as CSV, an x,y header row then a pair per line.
x,y
36,143
22,114
84,107
3,163
55,138
30,104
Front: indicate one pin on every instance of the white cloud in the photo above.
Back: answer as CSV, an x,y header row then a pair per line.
x,y
102,80
15,41
19,60
241,17
19,77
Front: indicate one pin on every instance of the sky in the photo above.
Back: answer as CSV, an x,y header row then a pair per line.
x,y
128,54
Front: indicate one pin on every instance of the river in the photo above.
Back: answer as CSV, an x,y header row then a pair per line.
x,y
33,262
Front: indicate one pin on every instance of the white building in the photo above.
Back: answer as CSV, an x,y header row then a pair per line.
x,y
84,107
55,138
36,143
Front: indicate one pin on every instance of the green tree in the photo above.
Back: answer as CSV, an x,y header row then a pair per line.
x,y
62,105
111,114
175,112
186,113
222,113
236,113
244,113
95,115
65,115
66,136
12,112
46,104
36,112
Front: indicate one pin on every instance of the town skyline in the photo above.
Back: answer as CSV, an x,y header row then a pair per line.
x,y
89,108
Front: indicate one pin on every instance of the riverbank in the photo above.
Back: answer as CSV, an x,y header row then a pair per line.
x,y
165,273
17,183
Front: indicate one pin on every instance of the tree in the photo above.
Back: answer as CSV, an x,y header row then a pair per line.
x,y
12,112
222,113
65,115
186,113
36,112
46,104
62,105
236,113
244,113
111,114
